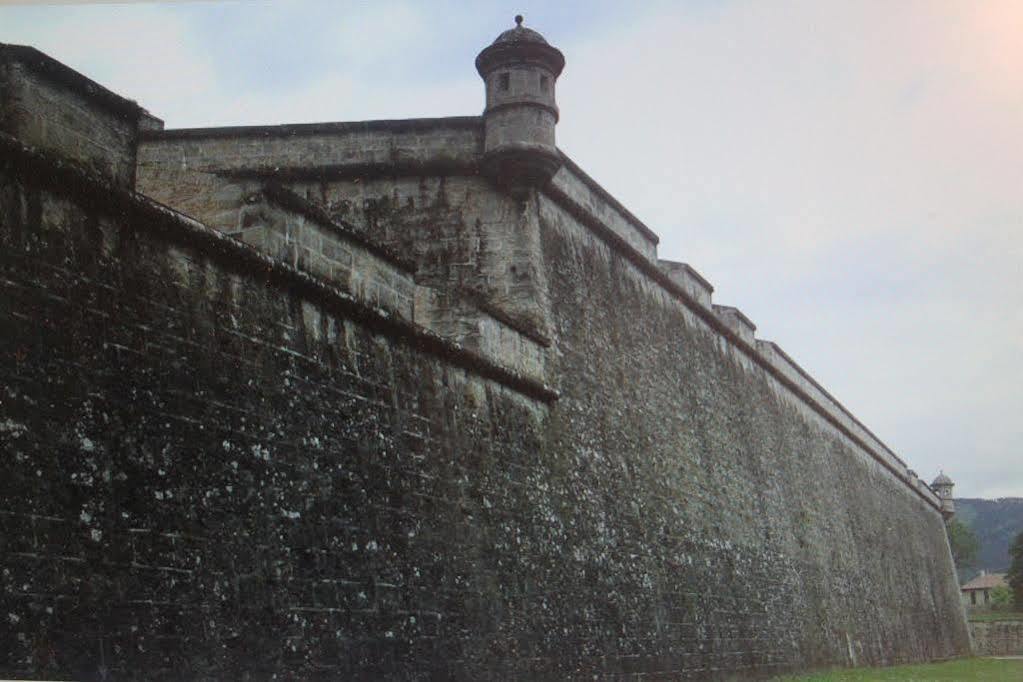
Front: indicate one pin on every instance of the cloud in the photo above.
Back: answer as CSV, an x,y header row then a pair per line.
x,y
144,52
201,64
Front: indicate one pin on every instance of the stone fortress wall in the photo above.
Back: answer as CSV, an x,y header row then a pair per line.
x,y
324,400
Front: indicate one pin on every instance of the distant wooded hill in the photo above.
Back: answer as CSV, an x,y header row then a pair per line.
x,y
996,523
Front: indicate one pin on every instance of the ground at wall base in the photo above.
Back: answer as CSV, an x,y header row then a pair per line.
x,y
961,670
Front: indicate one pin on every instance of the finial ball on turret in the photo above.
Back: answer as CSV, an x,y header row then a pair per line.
x,y
518,20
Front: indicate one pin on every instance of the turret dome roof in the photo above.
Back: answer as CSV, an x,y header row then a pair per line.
x,y
520,34
520,45
942,479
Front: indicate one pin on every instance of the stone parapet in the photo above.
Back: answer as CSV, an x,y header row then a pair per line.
x,y
49,105
275,222
291,150
462,321
689,280
573,185
734,319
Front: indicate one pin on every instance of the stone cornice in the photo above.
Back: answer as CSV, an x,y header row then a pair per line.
x,y
520,52
299,129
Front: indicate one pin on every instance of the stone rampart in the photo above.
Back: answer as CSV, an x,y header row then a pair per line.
x,y
693,291
413,143
415,428
439,222
245,471
731,451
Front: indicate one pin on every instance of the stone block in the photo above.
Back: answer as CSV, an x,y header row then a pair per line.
x,y
689,280
740,325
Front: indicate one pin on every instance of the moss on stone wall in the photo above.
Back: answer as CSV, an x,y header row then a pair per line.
x,y
213,472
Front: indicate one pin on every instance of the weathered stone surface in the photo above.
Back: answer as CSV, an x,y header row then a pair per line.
x,y
690,281
578,189
47,104
325,249
811,545
231,464
212,477
997,638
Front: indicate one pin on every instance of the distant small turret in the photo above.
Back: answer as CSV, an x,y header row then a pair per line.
x,y
519,70
942,487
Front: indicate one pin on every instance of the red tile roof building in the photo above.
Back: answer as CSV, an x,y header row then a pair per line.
x,y
977,592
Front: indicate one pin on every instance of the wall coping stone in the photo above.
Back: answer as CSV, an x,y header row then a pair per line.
x,y
737,320
732,310
299,129
690,272
606,196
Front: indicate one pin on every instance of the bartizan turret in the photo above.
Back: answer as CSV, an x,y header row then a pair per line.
x,y
942,487
520,69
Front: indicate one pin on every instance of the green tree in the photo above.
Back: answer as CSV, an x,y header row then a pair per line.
x,y
1015,576
964,544
1001,598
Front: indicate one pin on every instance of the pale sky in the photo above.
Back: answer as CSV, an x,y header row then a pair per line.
x,y
849,174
